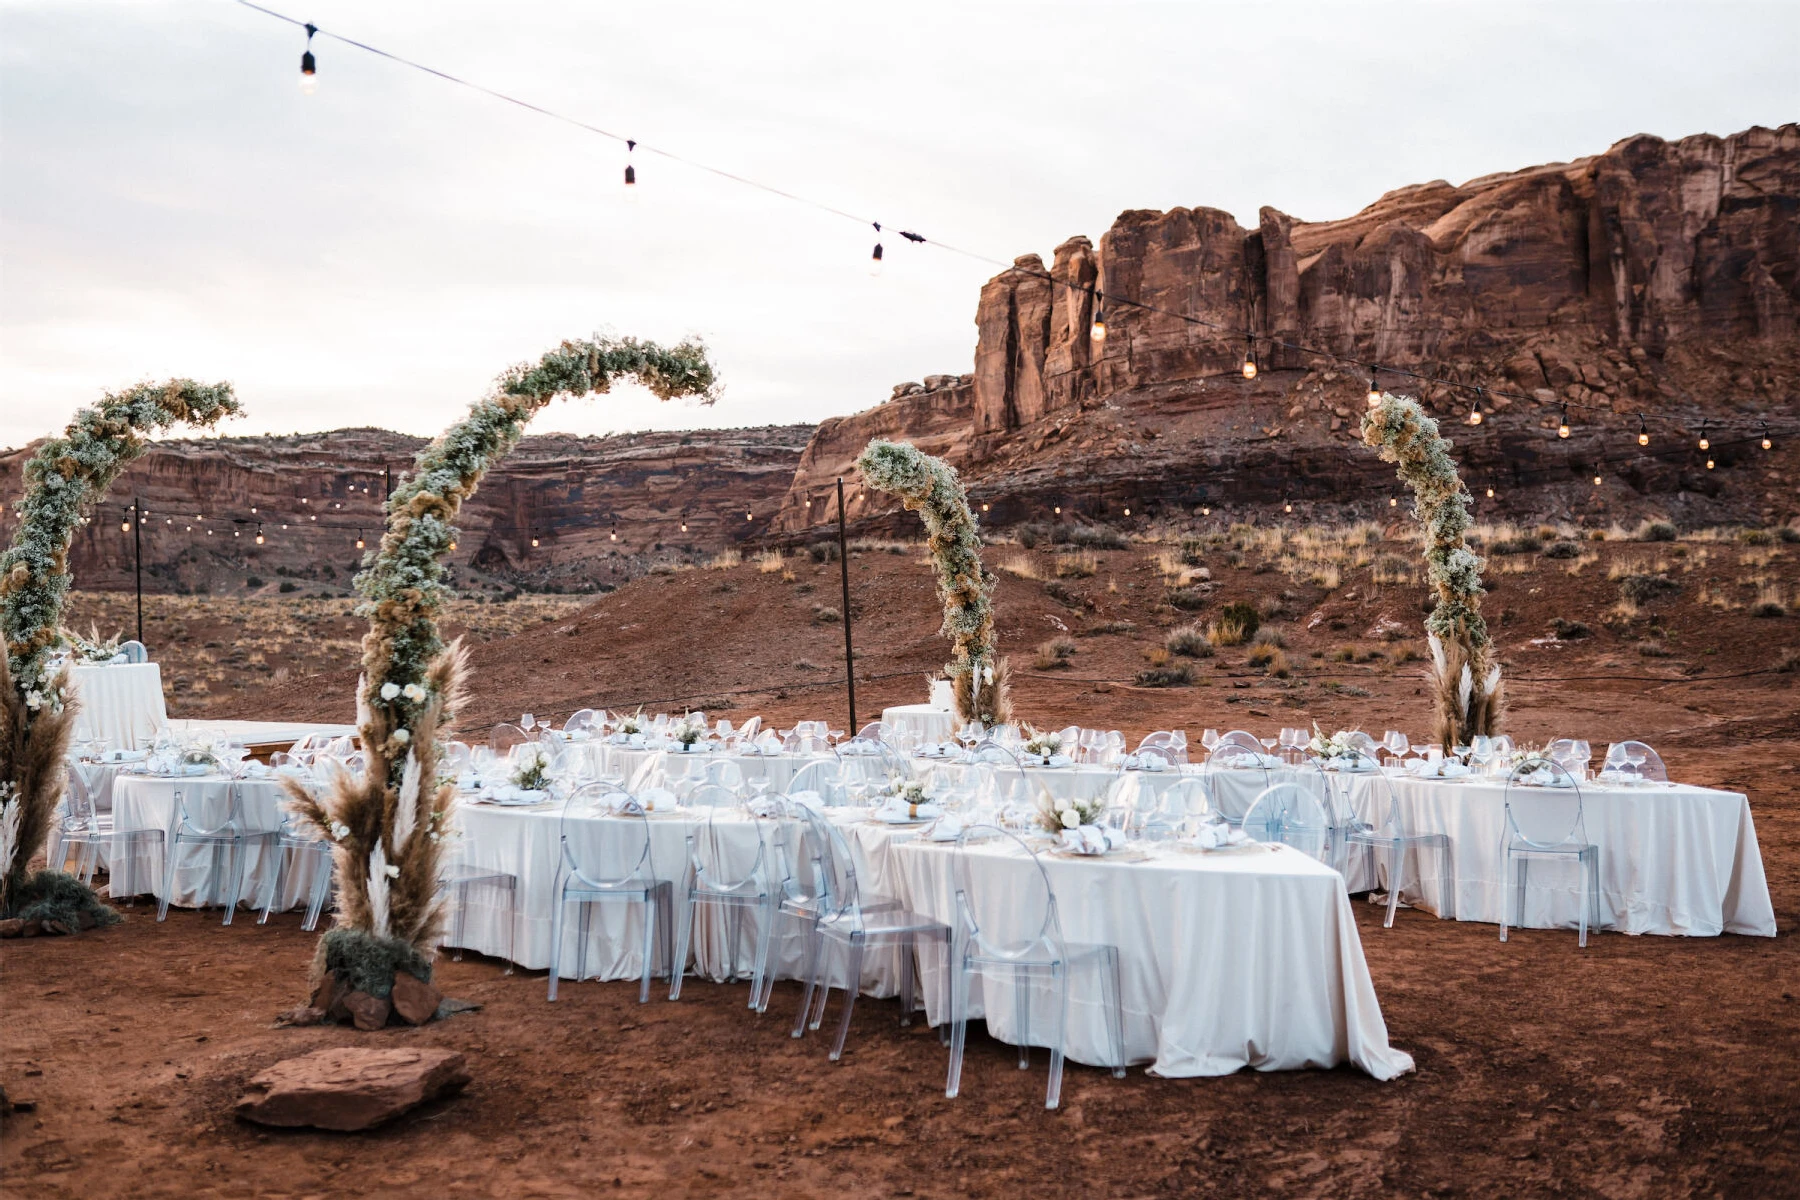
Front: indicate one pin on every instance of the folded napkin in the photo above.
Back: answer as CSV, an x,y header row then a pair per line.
x,y
626,739
294,771
867,748
894,810
1150,762
254,770
1453,770
1218,837
507,793
948,829
1058,760
808,799
1018,816
1092,839
124,756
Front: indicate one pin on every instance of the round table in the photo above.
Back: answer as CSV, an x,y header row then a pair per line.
x,y
121,704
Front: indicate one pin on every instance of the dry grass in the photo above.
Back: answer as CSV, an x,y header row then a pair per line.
x,y
1392,569
1189,641
1083,564
1055,654
1021,566
724,560
1771,601
771,562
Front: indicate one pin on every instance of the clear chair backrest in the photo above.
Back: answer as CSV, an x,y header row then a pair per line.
x,y
1242,738
749,729
1174,741
341,747
722,772
234,824
1570,753
710,844
1006,913
1234,756
504,737
134,652
1164,755
829,853
1004,769
583,720
874,731
457,757
712,795
1363,742
602,849
1620,756
78,810
1543,805
1187,800
1331,790
820,776
1289,814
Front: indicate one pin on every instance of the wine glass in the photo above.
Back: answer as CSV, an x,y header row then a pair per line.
x,y
528,723
1635,760
1269,744
1397,743
1209,738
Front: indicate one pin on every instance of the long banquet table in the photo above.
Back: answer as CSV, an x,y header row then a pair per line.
x,y
143,802
1246,958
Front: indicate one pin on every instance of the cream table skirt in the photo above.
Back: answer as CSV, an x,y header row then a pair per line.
x,y
120,704
148,802
923,722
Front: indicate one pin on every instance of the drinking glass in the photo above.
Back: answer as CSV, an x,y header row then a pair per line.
x,y
527,722
1396,742
1635,760
1209,738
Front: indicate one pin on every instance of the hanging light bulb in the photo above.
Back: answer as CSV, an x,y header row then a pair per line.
x,y
1249,356
452,545
1596,479
125,525
1205,512
359,539
1643,432
1768,443
1475,409
1374,386
309,67
1059,510
1704,444
1709,464
615,535
1393,502
747,516
1128,512
631,192
684,527
1098,331
1490,493
259,534
1562,428
1287,507
984,506
875,257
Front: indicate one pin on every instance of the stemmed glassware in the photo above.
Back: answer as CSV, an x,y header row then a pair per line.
x,y
1397,743
1481,749
1209,739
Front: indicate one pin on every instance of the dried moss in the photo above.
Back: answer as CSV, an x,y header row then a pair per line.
x,y
53,896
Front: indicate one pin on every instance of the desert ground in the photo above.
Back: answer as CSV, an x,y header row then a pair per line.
x,y
1639,1067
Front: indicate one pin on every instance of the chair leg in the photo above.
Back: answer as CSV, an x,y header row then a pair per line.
x,y
765,929
459,914
906,979
959,1027
852,985
1053,1094
321,891
1112,993
684,932
1447,902
583,914
1396,876
809,971
556,929
171,848
1022,1017
649,948
281,860
820,997
512,925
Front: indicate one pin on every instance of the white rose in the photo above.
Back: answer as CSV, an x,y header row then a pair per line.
x,y
413,692
339,831
393,872
1070,818
402,736
389,690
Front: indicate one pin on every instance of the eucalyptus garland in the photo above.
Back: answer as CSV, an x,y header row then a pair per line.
x,y
66,476
387,823
1467,678
930,487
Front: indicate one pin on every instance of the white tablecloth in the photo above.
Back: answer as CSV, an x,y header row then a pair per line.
x,y
926,722
1674,859
122,705
146,802
1249,958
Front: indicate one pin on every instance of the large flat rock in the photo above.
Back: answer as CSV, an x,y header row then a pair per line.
x,y
351,1087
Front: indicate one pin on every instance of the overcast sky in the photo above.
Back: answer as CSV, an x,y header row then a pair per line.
x,y
170,204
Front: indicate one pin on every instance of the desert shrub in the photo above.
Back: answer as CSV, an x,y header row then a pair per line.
x,y
824,614
1062,595
1787,533
1162,677
1193,549
1237,623
1524,543
1273,662
1095,537
1768,608
724,560
1076,566
52,897
1658,531
1156,656
1187,599
1650,648
770,562
1756,537
1391,568
1570,630
1105,627
288,585
1407,652
1643,588
1789,660
1268,635
1054,653
1021,566
1029,536
821,552
1562,548
1188,641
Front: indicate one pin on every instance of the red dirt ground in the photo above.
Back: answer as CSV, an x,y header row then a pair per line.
x,y
1645,1066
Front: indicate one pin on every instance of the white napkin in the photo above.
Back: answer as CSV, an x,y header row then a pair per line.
x,y
124,756
1218,837
859,748
808,799
255,770
1018,816
506,793
1454,770
894,810
1092,839
1058,760
948,829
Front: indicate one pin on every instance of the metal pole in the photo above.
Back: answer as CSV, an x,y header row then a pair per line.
x,y
137,546
844,572
387,482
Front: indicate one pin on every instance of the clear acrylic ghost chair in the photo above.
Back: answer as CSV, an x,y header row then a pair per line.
x,y
504,737
79,826
583,720
806,742
1174,741
455,881
231,840
1071,741
710,796
724,773
134,652
846,923
820,777
1242,738
341,747
1001,771
311,856
1544,820
1163,816
1635,760
1364,743
747,732
1022,943
1235,776
1572,754
1393,837
457,758
620,871
1291,815
875,731
733,892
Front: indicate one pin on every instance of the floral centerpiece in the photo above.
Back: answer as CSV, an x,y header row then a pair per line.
x,y
689,734
1337,746
531,770
1056,814
93,648
198,754
632,725
1531,765
1042,743
64,477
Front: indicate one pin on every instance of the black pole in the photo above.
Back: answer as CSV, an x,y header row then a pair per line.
x,y
844,572
137,547
387,482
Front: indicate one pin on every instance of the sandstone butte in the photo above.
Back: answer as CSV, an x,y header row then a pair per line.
x,y
1658,278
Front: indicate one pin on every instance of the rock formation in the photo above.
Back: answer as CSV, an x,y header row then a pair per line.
x,y
1660,278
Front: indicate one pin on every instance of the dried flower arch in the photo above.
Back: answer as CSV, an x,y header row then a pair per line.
x,y
1470,699
930,486
385,824
66,476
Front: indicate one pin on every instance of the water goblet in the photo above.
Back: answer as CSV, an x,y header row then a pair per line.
x,y
1209,738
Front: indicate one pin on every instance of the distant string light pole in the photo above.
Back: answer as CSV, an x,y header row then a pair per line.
x,y
137,554
844,578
